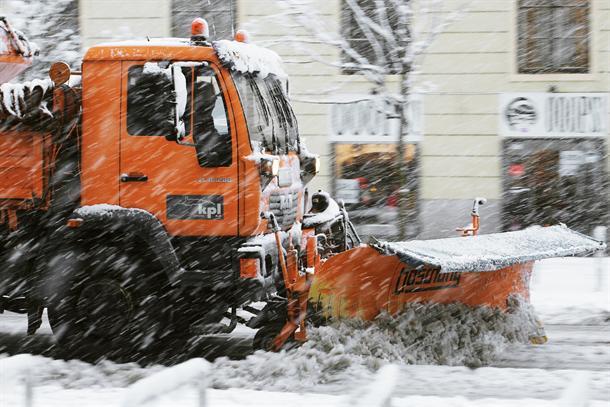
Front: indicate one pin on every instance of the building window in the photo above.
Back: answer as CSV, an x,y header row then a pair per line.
x,y
220,15
553,36
361,21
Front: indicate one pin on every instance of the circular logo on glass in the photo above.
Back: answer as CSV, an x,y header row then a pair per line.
x,y
521,114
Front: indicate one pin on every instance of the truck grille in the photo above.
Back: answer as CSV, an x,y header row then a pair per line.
x,y
284,207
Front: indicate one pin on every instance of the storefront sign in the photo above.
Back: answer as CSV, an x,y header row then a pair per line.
x,y
553,115
372,119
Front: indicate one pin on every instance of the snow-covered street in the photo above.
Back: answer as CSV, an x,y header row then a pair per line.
x,y
572,296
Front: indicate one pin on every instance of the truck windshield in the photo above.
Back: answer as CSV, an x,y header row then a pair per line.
x,y
271,122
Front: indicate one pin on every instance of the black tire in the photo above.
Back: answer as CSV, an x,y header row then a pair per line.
x,y
263,339
106,303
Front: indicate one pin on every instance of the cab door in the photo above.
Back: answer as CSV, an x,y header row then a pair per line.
x,y
187,187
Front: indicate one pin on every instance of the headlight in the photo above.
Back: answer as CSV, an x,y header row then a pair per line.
x,y
270,168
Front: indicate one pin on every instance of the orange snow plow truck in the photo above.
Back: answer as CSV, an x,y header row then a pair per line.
x,y
147,197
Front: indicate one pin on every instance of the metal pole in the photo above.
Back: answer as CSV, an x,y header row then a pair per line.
x,y
402,168
203,402
403,210
599,233
29,390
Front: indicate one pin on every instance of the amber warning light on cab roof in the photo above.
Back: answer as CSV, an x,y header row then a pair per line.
x,y
242,36
200,30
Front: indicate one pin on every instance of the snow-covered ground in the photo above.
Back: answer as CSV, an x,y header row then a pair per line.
x,y
572,290
572,297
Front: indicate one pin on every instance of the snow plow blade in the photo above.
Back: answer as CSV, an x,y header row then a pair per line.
x,y
475,270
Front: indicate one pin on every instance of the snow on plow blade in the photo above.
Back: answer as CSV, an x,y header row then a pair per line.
x,y
494,251
475,270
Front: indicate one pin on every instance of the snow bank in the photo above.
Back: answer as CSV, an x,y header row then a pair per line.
x,y
249,58
496,250
344,351
577,393
379,392
148,389
71,374
572,291
16,368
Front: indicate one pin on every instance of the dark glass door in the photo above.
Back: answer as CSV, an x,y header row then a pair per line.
x,y
547,181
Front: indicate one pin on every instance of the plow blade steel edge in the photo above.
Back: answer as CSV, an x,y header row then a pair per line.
x,y
476,270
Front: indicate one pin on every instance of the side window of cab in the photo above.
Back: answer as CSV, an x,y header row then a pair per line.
x,y
211,132
151,109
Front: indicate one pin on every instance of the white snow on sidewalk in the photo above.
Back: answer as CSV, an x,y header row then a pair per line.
x,y
572,290
54,396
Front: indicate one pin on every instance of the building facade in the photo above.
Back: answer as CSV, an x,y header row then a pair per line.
x,y
515,109
509,102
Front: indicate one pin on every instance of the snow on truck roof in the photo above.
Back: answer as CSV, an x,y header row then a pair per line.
x,y
237,56
494,251
249,58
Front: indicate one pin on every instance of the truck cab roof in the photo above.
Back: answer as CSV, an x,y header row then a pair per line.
x,y
147,49
235,55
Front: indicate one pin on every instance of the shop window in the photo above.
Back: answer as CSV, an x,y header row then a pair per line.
x,y
553,36
220,15
367,43
550,181
368,175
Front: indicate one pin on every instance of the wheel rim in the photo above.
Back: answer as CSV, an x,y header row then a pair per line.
x,y
105,308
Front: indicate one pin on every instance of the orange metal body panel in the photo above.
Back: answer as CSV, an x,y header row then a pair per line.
x,y
362,283
249,199
100,134
249,268
150,51
22,167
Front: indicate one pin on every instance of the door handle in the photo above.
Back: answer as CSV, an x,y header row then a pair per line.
x,y
134,177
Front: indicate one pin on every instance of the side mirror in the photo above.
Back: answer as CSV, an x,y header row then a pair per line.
x,y
310,165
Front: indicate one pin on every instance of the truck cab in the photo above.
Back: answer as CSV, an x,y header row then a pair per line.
x,y
207,146
194,141
189,184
